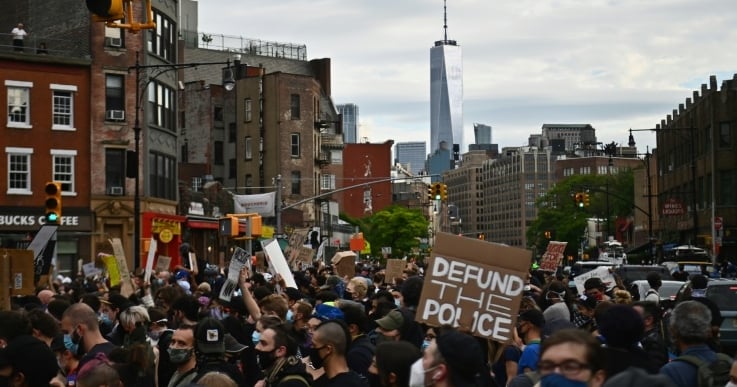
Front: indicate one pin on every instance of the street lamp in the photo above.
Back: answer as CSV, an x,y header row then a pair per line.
x,y
228,84
694,199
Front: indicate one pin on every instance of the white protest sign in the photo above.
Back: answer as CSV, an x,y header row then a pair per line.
x,y
239,259
475,285
278,262
601,272
152,247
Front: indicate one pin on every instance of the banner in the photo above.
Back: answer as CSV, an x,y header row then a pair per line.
x,y
552,256
263,204
475,285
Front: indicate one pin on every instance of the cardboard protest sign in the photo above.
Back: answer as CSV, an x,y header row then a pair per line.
x,y
152,247
394,269
126,285
296,242
278,262
602,272
552,256
475,285
163,263
21,273
344,263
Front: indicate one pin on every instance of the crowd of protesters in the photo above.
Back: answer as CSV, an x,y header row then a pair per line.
x,y
361,330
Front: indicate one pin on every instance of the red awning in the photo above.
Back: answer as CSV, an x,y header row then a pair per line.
x,y
203,224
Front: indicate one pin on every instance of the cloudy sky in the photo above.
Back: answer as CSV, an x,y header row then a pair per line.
x,y
615,64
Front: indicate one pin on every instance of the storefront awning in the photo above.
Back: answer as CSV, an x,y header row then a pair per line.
x,y
158,224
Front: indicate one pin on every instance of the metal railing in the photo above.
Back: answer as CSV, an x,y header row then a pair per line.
x,y
42,45
239,44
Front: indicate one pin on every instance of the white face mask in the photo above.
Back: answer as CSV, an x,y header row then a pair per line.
x,y
730,384
417,374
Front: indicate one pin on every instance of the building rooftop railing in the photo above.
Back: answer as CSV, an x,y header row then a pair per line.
x,y
239,44
41,45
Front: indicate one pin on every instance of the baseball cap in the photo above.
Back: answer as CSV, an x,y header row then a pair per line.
x,y
210,336
232,345
594,283
393,320
325,312
589,302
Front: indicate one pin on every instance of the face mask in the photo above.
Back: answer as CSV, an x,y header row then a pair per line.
x,y
265,359
398,302
315,358
70,344
417,374
255,337
154,335
558,380
179,355
347,295
425,344
290,316
105,319
730,384
216,313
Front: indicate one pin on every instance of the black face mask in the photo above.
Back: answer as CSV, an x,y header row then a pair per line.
x,y
315,359
347,295
266,359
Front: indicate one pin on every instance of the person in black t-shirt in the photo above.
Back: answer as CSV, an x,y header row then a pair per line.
x,y
329,347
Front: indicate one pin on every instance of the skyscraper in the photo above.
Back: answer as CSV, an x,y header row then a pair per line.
x,y
482,133
411,155
446,92
349,112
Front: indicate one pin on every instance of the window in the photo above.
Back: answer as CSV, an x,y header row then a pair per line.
x,y
294,106
327,182
295,144
231,168
19,104
247,110
114,92
725,135
161,103
162,39
247,148
218,114
63,167
336,157
19,170
62,108
231,132
296,178
218,153
162,176
249,184
114,169
185,151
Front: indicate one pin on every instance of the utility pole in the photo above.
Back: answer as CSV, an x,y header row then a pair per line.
x,y
278,206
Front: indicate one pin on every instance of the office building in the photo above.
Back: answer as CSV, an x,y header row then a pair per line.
x,y
349,115
481,133
411,155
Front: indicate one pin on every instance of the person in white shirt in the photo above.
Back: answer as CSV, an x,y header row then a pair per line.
x,y
655,282
19,33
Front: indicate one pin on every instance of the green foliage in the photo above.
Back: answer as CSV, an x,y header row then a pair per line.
x,y
557,211
397,227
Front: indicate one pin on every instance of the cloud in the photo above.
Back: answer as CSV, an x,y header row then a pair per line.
x,y
615,64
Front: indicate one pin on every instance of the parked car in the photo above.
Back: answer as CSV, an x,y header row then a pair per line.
x,y
723,292
667,291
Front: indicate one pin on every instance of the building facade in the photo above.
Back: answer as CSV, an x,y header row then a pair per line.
x,y
481,133
366,166
411,155
465,196
572,137
446,95
349,116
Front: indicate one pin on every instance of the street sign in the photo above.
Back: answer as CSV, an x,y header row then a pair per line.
x,y
718,222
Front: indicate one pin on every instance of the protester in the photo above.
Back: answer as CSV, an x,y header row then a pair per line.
x,y
27,362
655,282
621,327
182,354
391,367
276,352
453,359
210,348
594,287
571,357
329,347
652,341
529,327
361,349
79,323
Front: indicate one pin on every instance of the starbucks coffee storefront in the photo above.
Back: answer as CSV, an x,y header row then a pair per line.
x,y
18,226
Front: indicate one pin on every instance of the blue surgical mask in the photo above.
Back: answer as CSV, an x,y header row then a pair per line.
x,y
290,316
105,319
255,337
557,380
425,344
70,344
398,302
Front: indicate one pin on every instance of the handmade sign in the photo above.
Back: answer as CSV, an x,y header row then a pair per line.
x,y
475,285
394,269
552,256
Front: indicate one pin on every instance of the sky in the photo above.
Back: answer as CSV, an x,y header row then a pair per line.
x,y
614,64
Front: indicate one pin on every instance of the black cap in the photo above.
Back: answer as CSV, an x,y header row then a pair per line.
x,y
594,283
210,336
462,353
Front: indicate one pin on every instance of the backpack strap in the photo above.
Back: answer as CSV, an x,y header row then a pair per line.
x,y
691,359
295,377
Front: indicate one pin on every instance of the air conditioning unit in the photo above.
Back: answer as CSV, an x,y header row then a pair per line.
x,y
115,115
115,191
114,42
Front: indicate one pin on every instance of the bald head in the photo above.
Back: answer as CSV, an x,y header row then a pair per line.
x,y
334,333
45,296
82,314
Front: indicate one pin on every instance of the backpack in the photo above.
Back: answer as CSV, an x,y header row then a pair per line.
x,y
711,374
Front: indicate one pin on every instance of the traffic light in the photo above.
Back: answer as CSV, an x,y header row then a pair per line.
x,y
228,226
106,10
548,234
436,190
586,201
53,202
579,197
443,191
431,192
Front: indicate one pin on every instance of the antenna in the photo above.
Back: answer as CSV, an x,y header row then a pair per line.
x,y
445,21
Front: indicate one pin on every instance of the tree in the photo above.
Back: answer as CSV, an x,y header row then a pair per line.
x,y
397,227
559,215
